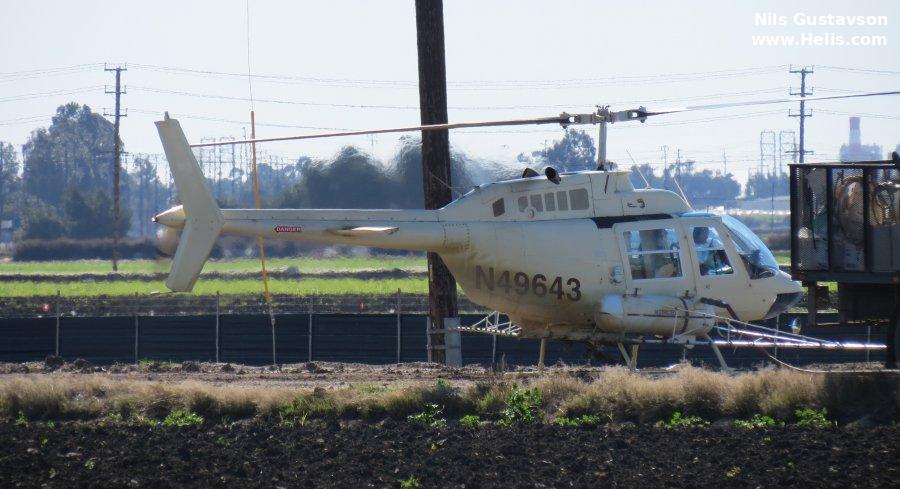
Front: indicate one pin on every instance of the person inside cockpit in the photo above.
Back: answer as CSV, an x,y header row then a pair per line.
x,y
711,256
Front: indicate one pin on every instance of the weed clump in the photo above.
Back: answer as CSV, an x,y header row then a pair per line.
x,y
523,406
470,421
181,418
758,421
680,421
411,483
583,420
429,417
815,418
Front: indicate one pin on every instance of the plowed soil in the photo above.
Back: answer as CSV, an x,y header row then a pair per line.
x,y
357,454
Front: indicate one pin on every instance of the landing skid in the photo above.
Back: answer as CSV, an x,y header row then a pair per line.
x,y
729,333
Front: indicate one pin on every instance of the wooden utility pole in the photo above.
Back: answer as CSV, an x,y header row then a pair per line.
x,y
803,114
117,163
2,195
435,160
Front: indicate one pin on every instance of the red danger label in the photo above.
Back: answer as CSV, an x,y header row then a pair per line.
x,y
288,229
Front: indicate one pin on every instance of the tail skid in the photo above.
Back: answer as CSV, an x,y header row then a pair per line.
x,y
203,218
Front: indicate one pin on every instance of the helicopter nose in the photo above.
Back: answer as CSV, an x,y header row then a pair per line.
x,y
790,292
173,218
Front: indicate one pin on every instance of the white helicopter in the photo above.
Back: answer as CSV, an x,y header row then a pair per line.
x,y
580,256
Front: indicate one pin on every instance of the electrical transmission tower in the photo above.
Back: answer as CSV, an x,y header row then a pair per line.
x,y
803,114
787,145
768,151
117,158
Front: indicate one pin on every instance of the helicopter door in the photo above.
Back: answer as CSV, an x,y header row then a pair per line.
x,y
714,261
653,258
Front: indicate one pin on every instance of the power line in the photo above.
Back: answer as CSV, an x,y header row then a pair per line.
x,y
81,67
179,115
476,84
862,114
453,107
44,74
859,70
25,120
274,101
52,93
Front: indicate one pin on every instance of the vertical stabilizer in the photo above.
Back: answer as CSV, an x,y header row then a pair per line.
x,y
203,219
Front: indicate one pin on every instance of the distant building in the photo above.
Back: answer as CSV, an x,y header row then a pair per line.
x,y
855,150
780,203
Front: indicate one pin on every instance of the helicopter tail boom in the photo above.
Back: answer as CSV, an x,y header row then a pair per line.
x,y
202,221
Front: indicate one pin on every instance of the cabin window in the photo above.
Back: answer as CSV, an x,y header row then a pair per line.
x,y
549,202
562,200
499,207
653,253
523,203
711,257
537,203
579,199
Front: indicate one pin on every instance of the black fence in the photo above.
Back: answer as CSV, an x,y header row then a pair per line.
x,y
363,338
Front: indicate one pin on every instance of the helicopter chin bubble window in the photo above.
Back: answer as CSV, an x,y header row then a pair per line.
x,y
757,258
653,253
710,250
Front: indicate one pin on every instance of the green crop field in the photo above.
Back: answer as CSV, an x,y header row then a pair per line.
x,y
304,265
76,286
307,265
306,286
783,257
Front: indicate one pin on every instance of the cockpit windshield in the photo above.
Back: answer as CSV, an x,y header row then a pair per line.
x,y
757,258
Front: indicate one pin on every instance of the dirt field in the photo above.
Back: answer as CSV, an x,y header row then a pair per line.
x,y
392,454
348,425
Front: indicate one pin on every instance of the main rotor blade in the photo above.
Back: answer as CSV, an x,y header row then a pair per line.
x,y
564,119
690,108
560,119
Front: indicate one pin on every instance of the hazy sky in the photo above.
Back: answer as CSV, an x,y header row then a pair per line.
x,y
504,60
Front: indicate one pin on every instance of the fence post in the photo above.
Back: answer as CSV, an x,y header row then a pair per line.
x,y
272,321
398,326
309,335
56,342
137,329
217,326
494,352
